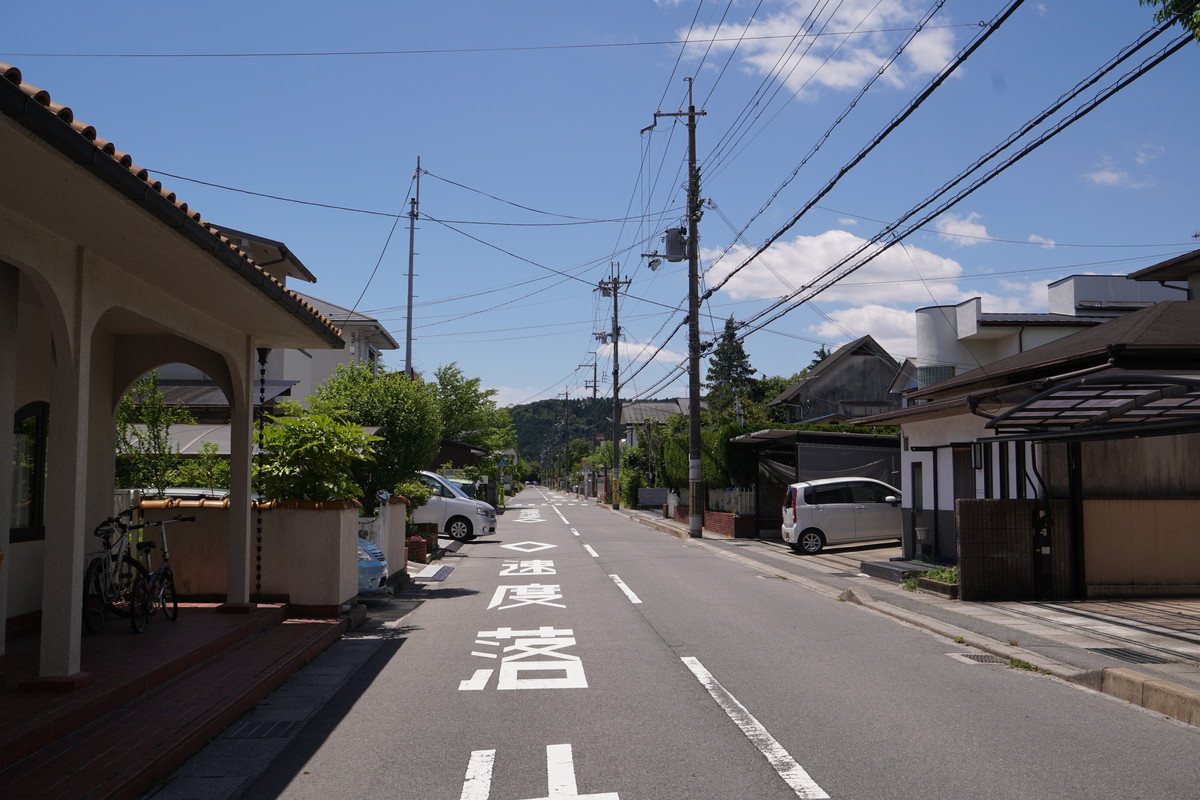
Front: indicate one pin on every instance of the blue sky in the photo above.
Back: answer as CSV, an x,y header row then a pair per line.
x,y
527,117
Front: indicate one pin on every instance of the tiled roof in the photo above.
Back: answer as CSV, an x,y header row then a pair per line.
x,y
1167,331
71,133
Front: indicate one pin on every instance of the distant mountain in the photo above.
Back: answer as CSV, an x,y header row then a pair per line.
x,y
547,424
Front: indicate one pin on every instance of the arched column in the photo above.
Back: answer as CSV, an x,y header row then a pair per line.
x,y
9,293
242,549
66,494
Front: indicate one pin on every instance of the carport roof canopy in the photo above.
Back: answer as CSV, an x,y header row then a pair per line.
x,y
1106,406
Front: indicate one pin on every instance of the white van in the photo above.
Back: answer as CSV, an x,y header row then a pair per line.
x,y
839,510
459,516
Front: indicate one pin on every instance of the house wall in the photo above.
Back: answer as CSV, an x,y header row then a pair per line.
x,y
857,379
936,518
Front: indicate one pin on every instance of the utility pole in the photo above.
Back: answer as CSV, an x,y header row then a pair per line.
x,y
613,287
412,237
694,212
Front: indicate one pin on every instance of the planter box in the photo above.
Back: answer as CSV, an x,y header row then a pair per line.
x,y
416,550
938,587
735,526
309,552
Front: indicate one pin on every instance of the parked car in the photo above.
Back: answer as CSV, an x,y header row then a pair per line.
x,y
372,568
840,510
458,515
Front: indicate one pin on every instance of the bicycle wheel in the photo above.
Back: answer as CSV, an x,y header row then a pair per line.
x,y
139,605
166,598
130,569
94,600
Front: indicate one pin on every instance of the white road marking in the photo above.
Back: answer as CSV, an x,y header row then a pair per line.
x,y
592,552
633,598
478,782
477,683
792,773
574,531
560,771
528,547
560,515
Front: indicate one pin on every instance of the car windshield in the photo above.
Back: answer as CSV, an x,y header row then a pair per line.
x,y
454,489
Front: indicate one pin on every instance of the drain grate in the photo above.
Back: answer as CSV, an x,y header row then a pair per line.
x,y
264,730
980,658
1130,656
977,658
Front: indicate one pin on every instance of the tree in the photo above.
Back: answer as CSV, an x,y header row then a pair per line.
x,y
1185,12
146,456
469,415
729,375
311,455
819,355
406,412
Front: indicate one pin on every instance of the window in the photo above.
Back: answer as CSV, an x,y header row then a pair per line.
x,y
828,495
869,493
29,474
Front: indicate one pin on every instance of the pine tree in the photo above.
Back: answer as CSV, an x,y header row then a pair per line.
x,y
729,375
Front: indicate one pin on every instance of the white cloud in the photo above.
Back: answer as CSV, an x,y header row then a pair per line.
x,y
894,277
961,231
894,328
835,62
1149,152
1108,174
847,221
1042,240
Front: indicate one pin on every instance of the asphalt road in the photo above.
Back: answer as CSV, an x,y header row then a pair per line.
x,y
577,654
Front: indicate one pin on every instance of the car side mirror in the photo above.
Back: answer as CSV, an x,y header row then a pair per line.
x,y
891,498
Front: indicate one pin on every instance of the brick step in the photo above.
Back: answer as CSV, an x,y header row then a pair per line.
x,y
123,753
126,666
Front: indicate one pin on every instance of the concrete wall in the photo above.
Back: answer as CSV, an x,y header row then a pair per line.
x,y
309,555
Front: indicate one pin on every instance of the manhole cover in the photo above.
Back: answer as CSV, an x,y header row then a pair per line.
x,y
1131,656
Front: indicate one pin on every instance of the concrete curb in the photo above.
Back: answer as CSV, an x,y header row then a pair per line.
x,y
1136,688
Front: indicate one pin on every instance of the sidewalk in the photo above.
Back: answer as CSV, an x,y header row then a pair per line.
x,y
1143,651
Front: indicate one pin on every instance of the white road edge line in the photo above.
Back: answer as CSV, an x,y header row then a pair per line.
x,y
591,552
478,782
633,598
792,773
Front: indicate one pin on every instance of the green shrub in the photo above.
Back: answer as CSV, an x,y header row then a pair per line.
x,y
416,492
311,456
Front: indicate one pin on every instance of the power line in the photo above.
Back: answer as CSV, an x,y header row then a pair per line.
x,y
912,106
812,290
441,51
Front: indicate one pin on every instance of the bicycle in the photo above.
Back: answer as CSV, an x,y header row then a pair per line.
x,y
155,590
110,576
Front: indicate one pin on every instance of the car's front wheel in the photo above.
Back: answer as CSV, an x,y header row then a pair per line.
x,y
459,529
810,542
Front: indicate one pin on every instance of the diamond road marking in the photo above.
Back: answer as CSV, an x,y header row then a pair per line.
x,y
528,547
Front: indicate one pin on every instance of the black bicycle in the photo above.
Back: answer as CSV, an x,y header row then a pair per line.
x,y
108,582
154,590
